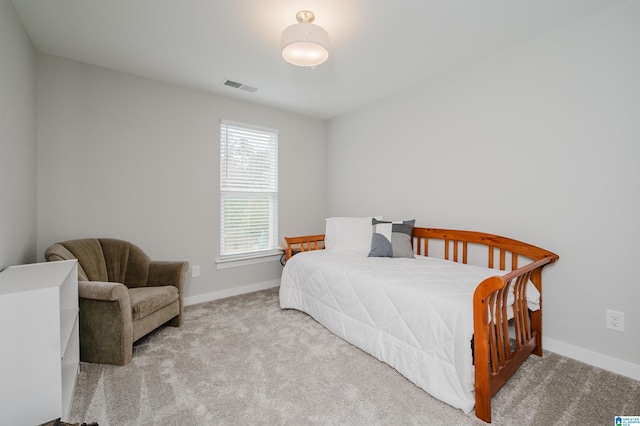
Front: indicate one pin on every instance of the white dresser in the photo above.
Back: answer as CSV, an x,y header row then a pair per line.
x,y
39,348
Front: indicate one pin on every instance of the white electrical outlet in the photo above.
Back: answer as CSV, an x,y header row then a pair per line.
x,y
615,320
195,271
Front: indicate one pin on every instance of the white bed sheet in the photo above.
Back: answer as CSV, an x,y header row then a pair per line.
x,y
414,314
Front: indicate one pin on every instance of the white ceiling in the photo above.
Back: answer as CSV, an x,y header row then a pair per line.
x,y
377,47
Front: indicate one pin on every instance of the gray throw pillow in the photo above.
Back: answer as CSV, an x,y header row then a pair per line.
x,y
391,239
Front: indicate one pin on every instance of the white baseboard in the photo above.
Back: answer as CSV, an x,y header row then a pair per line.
x,y
230,292
592,358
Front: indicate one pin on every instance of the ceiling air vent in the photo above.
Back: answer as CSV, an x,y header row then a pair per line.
x,y
240,86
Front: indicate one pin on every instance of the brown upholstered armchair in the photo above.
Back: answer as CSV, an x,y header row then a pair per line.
x,y
123,295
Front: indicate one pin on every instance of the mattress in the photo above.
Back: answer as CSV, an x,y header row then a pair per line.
x,y
416,315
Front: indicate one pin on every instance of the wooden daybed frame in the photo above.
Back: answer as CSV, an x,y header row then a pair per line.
x,y
501,354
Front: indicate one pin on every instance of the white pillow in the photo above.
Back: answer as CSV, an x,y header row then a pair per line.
x,y
349,234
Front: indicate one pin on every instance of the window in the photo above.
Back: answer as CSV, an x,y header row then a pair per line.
x,y
248,190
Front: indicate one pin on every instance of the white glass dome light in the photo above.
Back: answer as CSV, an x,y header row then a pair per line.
x,y
305,44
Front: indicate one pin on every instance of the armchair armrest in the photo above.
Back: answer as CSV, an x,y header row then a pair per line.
x,y
167,273
101,290
106,324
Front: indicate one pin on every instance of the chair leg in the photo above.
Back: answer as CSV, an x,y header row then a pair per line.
x,y
175,322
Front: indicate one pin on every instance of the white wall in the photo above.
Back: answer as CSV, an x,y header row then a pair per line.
x,y
17,141
540,143
132,158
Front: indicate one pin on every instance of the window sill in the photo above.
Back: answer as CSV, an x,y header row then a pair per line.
x,y
250,259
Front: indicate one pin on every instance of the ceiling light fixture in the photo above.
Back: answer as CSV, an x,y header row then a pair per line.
x,y
305,44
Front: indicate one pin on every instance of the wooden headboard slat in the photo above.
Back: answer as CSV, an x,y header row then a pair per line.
x,y
465,258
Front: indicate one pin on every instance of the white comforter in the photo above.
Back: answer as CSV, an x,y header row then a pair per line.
x,y
414,314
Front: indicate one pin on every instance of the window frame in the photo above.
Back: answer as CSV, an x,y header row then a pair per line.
x,y
228,190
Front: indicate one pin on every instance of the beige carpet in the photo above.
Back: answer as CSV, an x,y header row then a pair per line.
x,y
243,360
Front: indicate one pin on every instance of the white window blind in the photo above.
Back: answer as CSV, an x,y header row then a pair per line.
x,y
248,189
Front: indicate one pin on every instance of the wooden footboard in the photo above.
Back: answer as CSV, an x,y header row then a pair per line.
x,y
497,354
503,352
503,338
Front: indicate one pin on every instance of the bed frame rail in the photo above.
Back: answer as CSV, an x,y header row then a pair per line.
x,y
498,351
457,246
300,244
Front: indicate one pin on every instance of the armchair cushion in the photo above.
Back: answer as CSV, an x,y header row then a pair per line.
x,y
147,300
